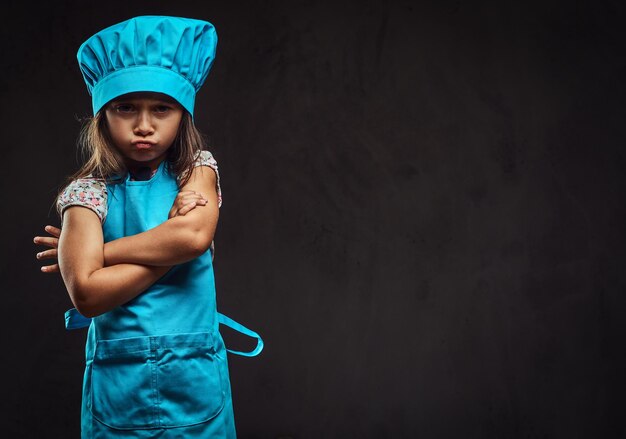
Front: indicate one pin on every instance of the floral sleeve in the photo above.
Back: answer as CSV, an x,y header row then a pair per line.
x,y
206,159
87,192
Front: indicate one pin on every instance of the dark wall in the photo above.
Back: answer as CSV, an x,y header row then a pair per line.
x,y
423,214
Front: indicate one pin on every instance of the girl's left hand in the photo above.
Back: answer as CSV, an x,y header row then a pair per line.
x,y
52,242
186,201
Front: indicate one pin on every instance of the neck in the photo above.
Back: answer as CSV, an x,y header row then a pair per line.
x,y
135,166
140,167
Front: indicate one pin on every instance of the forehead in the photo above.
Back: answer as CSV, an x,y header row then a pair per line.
x,y
147,96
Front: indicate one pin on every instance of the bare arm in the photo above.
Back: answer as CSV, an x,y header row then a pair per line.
x,y
93,288
185,201
177,240
96,285
170,243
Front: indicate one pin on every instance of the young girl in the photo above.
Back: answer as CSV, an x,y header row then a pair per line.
x,y
136,245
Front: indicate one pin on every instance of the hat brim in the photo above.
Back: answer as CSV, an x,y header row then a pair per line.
x,y
144,78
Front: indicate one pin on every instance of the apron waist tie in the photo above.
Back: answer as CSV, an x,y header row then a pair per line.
x,y
242,329
75,320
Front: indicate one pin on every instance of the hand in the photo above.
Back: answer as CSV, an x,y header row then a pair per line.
x,y
52,242
186,201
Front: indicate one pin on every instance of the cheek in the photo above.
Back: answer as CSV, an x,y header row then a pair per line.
x,y
118,132
172,130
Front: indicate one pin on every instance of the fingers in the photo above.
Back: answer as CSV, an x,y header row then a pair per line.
x,y
183,198
52,242
55,231
191,205
189,200
194,198
188,193
54,268
186,202
49,241
187,207
44,240
48,254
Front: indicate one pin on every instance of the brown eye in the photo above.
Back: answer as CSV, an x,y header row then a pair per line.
x,y
124,108
162,109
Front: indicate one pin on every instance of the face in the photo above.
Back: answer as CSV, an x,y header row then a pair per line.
x,y
143,126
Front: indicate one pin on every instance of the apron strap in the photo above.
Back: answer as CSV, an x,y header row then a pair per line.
x,y
75,320
242,329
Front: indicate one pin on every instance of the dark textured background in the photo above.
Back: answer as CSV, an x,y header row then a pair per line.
x,y
423,213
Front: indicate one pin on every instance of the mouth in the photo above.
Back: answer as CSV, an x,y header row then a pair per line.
x,y
143,145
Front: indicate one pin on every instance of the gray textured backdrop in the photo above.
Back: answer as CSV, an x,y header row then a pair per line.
x,y
423,213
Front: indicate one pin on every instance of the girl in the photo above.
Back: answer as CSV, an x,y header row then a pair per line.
x,y
136,245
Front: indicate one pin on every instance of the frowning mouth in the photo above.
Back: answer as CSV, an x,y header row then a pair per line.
x,y
143,145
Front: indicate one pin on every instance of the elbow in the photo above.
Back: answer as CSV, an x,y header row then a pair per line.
x,y
88,308
200,241
85,311
195,233
82,300
82,305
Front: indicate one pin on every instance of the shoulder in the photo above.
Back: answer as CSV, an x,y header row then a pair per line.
x,y
89,192
205,158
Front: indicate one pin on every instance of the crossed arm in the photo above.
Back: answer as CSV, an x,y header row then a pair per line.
x,y
100,277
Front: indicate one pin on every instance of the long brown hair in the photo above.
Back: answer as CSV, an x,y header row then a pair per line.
x,y
102,161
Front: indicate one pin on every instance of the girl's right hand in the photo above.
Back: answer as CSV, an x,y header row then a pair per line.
x,y
186,201
53,243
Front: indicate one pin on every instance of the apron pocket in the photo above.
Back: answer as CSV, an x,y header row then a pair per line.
x,y
159,381
189,380
122,386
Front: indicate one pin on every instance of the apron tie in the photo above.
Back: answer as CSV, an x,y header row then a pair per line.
x,y
75,320
242,329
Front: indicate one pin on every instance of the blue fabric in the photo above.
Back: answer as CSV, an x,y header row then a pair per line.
x,y
171,55
157,365
224,320
75,320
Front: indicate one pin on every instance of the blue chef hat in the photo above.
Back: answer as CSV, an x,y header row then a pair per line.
x,y
171,55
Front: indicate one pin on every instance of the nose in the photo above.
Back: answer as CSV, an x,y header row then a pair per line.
x,y
144,125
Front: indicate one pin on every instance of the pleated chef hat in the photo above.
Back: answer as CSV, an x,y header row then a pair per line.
x,y
170,55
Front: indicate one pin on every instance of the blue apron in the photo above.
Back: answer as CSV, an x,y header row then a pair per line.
x,y
156,366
